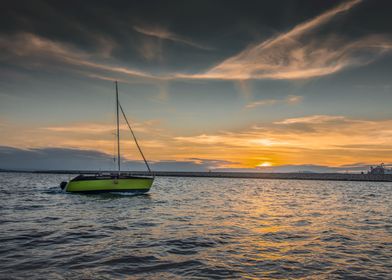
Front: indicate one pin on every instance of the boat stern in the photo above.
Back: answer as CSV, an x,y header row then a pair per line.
x,y
63,185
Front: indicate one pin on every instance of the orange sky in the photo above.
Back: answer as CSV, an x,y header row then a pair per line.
x,y
318,139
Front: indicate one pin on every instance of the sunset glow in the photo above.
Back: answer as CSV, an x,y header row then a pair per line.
x,y
265,164
307,92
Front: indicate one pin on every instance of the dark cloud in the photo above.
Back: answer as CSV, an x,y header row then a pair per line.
x,y
166,37
74,159
53,158
223,27
161,37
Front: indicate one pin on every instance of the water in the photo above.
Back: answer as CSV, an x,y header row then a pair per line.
x,y
196,228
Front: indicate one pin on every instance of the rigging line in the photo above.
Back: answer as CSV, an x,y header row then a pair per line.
x,y
114,135
134,137
118,133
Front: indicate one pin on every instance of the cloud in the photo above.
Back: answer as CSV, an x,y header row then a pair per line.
x,y
151,49
97,128
86,136
92,160
315,119
34,51
326,140
192,164
317,139
53,158
76,159
300,54
291,100
161,33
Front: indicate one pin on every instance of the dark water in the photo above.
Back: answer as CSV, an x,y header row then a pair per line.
x,y
196,228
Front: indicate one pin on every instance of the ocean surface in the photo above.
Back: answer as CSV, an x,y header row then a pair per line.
x,y
196,228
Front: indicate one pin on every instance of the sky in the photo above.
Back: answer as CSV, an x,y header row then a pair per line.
x,y
263,86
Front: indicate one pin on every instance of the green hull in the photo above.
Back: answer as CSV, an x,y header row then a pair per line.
x,y
110,185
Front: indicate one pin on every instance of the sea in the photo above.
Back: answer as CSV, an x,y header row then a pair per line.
x,y
196,228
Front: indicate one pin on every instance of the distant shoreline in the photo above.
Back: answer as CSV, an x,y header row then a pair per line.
x,y
244,175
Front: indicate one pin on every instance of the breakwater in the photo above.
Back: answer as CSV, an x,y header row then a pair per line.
x,y
288,176
250,175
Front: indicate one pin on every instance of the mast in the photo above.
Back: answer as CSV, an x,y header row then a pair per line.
x,y
118,132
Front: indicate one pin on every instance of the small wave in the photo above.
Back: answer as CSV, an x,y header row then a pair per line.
x,y
53,190
128,193
191,228
181,267
190,243
129,259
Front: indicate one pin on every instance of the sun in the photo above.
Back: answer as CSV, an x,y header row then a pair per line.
x,y
265,164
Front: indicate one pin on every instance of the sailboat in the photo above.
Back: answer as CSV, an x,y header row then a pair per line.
x,y
115,181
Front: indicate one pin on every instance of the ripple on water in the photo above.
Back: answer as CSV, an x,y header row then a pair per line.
x,y
199,228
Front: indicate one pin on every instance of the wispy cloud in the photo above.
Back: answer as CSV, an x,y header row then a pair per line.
x,y
299,54
87,128
161,33
97,128
314,119
291,100
41,51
